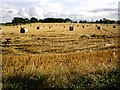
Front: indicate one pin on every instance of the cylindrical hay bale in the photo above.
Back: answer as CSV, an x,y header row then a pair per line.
x,y
114,26
23,30
71,28
83,26
38,27
98,27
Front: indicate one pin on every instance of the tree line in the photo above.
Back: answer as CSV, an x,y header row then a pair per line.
x,y
19,20
46,20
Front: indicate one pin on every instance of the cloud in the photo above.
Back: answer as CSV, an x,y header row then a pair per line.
x,y
104,10
73,9
50,15
23,13
7,12
10,11
54,7
36,12
110,13
24,1
43,2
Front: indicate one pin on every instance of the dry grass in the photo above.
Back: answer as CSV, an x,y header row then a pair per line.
x,y
81,62
57,53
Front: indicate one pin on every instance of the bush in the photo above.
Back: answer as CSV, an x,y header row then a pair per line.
x,y
99,81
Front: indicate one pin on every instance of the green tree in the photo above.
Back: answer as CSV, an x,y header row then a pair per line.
x,y
26,20
17,20
68,20
33,20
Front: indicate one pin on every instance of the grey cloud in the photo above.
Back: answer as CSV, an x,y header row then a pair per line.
x,y
75,17
103,10
49,14
10,11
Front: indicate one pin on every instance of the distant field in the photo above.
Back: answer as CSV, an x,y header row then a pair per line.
x,y
63,28
53,56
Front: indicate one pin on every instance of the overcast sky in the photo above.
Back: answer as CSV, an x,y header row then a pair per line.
x,y
73,9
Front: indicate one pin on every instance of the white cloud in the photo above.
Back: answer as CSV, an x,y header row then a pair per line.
x,y
50,15
36,12
24,13
43,2
82,11
21,0
53,10
54,7
74,9
93,4
8,12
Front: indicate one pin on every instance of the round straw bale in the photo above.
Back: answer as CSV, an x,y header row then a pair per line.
x,y
23,30
71,28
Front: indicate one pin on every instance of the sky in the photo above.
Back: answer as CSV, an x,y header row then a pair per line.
x,y
73,9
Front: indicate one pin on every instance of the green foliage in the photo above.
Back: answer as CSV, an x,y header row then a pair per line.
x,y
68,20
83,21
82,82
99,81
26,20
33,20
19,20
105,21
55,20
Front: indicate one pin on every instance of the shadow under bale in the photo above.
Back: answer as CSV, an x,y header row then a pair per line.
x,y
99,36
8,41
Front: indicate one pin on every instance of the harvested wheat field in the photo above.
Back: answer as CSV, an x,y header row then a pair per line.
x,y
51,55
